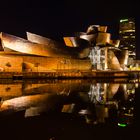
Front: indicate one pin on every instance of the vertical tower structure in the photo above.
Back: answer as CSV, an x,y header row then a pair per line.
x,y
128,37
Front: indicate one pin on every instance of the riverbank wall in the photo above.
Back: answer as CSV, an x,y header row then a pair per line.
x,y
70,74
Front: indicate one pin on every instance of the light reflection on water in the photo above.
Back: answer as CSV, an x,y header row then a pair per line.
x,y
98,101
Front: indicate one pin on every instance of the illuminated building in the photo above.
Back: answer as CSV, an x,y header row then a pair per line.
x,y
90,50
127,37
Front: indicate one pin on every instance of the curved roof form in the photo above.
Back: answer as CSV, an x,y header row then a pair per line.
x,y
113,62
73,41
90,38
103,39
42,40
21,45
13,43
123,57
81,52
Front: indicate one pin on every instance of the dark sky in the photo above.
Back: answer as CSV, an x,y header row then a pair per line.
x,y
57,18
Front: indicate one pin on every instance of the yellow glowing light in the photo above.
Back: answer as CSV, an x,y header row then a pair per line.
x,y
125,36
129,30
68,42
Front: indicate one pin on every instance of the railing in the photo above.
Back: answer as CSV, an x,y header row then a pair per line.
x,y
70,74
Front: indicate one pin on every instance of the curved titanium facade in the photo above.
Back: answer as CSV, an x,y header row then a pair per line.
x,y
123,57
39,39
75,42
93,49
24,46
21,45
113,62
81,52
103,38
89,38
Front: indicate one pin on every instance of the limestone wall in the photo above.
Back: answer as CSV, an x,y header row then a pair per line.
x,y
26,63
43,64
10,63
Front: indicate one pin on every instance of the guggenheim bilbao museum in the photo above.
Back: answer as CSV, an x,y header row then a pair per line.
x,y
90,50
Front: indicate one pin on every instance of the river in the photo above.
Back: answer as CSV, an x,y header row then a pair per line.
x,y
74,109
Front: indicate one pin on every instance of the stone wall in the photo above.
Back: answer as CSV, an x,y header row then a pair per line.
x,y
11,63
44,64
26,63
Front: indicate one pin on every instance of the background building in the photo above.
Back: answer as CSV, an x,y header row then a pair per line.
x,y
128,37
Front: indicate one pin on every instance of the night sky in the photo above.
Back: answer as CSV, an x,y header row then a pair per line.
x,y
58,18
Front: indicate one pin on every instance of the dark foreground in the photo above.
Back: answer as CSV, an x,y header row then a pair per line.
x,y
63,127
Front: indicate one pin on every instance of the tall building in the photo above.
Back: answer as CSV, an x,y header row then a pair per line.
x,y
128,37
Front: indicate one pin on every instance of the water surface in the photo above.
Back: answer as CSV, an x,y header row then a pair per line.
x,y
69,109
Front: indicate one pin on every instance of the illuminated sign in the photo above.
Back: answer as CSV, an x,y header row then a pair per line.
x,y
123,20
122,124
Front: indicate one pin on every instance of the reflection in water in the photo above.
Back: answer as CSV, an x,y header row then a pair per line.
x,y
113,99
96,101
